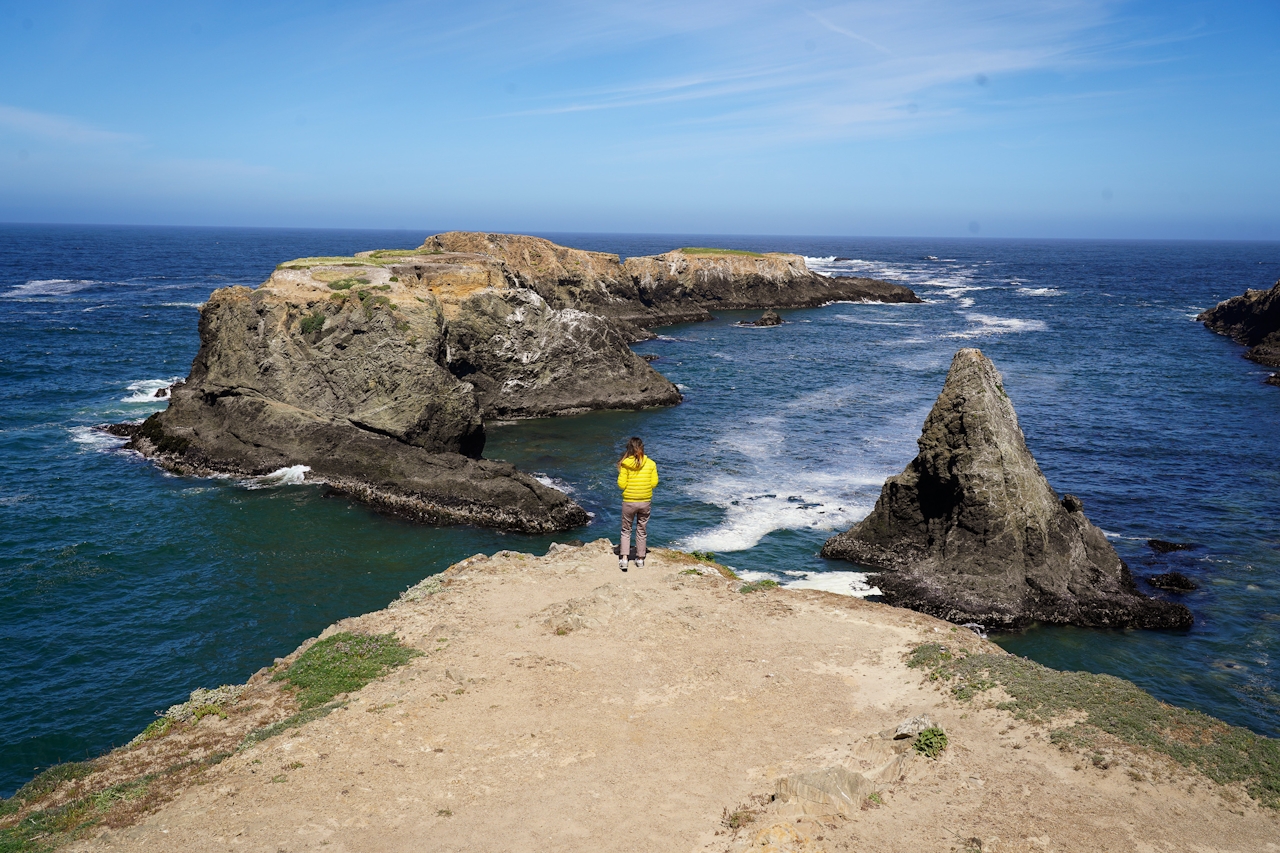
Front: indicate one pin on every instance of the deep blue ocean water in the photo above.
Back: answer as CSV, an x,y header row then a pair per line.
x,y
122,588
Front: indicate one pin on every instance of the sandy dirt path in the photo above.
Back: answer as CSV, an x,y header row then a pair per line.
x,y
562,705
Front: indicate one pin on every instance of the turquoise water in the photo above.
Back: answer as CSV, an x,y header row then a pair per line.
x,y
123,588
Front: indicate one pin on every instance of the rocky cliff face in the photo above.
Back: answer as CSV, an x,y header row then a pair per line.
x,y
972,531
525,356
679,286
1252,319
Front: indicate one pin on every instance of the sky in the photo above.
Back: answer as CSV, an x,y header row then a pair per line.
x,y
991,118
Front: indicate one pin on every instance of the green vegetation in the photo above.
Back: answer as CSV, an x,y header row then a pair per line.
x,y
931,742
1113,709
756,586
46,783
703,250
158,728
312,323
347,283
296,721
704,556
42,830
343,663
328,260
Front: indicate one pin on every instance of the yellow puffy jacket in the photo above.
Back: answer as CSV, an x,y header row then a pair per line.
x,y
637,483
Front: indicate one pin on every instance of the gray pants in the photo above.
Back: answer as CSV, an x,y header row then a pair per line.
x,y
640,513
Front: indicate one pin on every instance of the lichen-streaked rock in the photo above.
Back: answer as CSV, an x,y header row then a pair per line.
x,y
971,531
1252,319
675,287
527,359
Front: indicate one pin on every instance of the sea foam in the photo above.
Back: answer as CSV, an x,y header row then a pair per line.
x,y
294,475
95,439
144,390
47,287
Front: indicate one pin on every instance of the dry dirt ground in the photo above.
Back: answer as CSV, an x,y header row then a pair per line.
x,y
562,705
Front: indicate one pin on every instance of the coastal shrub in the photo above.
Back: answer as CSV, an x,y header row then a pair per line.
x,y
48,781
45,829
931,742
1115,708
422,590
756,586
344,663
347,283
704,556
312,323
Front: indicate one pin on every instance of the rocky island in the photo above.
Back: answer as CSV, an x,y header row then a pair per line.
x,y
375,372
971,531
1252,319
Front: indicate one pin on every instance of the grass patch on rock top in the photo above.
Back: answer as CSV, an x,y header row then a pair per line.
x,y
1111,707
343,663
705,250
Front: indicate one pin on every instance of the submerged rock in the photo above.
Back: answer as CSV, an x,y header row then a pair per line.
x,y
1252,319
972,531
1173,582
1160,546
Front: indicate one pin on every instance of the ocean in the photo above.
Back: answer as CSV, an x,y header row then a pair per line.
x,y
123,588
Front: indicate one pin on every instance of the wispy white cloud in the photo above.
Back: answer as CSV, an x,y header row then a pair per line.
x,y
849,33
58,128
771,71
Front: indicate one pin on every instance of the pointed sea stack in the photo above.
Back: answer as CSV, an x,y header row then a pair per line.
x,y
972,532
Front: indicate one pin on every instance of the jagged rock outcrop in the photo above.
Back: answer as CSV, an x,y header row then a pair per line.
x,y
1252,319
679,286
971,531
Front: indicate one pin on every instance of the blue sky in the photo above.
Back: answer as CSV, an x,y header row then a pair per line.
x,y
1061,118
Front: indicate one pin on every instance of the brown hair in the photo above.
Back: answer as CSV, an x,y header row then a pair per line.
x,y
635,449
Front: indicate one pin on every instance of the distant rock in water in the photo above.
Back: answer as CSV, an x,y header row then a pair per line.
x,y
768,318
1160,546
1173,582
972,532
1252,319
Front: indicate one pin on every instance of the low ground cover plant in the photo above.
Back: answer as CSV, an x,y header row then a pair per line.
x,y
1112,708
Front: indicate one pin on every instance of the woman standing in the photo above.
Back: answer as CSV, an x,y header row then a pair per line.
x,y
637,475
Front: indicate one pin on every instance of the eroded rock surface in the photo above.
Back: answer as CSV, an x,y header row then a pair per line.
x,y
1252,319
971,531
674,287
